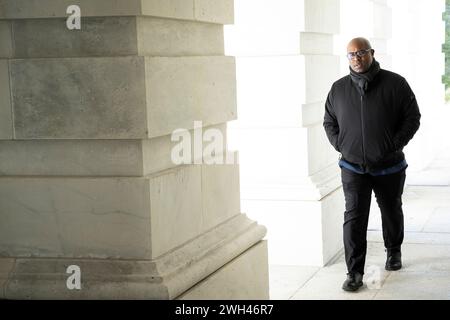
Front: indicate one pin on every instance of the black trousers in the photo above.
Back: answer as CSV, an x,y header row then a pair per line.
x,y
358,194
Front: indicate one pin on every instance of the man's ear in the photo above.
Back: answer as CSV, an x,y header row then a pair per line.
x,y
373,52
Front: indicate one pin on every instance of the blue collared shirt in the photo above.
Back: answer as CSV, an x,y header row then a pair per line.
x,y
384,172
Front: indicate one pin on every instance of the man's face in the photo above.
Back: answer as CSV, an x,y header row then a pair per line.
x,y
361,57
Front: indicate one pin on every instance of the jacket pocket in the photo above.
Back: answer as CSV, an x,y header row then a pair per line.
x,y
385,148
391,145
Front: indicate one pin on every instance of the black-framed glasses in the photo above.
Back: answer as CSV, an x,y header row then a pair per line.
x,y
360,53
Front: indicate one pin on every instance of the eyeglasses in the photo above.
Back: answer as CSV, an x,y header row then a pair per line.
x,y
360,53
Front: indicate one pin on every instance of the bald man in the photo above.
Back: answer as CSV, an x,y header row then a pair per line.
x,y
370,116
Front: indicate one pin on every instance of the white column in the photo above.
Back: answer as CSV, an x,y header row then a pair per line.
x,y
371,19
418,35
289,174
382,32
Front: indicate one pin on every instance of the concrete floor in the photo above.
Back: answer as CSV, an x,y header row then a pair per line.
x,y
426,251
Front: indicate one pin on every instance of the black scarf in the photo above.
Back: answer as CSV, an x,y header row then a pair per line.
x,y
362,80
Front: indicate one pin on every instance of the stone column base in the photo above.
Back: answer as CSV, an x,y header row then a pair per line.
x,y
307,233
244,278
166,277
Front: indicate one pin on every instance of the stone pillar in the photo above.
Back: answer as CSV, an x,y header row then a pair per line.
x,y
382,32
289,174
418,35
373,21
86,176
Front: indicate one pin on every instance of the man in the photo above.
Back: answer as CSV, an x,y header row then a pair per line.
x,y
370,116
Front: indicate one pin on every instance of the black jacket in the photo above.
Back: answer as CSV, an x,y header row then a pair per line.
x,y
371,130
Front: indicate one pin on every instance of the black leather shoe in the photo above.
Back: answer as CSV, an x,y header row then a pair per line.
x,y
353,282
394,261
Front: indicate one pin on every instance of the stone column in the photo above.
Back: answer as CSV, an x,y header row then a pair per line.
x,y
382,32
373,21
290,180
418,34
86,172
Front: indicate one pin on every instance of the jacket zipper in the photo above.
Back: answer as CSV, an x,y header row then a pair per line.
x,y
362,133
